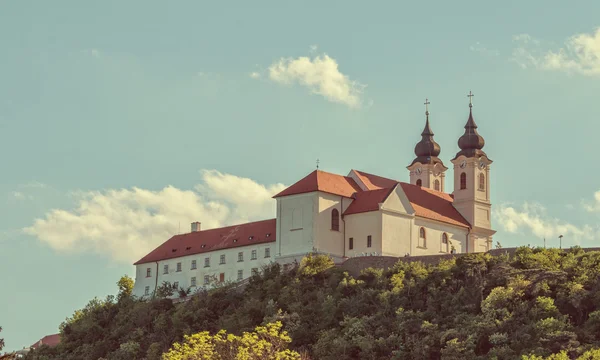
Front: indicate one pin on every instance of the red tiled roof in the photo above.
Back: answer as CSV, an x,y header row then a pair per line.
x,y
373,182
365,201
323,181
429,204
435,205
50,340
213,239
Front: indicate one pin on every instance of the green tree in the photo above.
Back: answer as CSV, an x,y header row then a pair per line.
x,y
265,343
125,285
1,340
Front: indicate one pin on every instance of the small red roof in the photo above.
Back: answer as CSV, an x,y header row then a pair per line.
x,y
258,232
323,181
368,201
50,340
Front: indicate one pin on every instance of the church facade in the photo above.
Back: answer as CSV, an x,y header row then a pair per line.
x,y
357,214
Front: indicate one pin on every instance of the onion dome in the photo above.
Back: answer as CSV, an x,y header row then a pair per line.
x,y
427,150
471,143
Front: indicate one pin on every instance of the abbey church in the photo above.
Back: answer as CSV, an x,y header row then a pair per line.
x,y
357,214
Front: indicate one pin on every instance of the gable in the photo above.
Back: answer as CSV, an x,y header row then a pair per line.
x,y
397,201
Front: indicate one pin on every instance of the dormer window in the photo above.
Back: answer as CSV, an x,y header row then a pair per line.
x,y
268,235
250,237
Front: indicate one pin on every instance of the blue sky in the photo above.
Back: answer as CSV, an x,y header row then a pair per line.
x,y
119,121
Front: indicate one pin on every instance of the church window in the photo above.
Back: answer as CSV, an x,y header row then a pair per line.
x,y
335,220
240,274
178,267
267,252
463,181
206,279
148,272
369,241
207,262
444,247
436,185
193,264
481,182
240,256
419,182
222,259
253,255
165,269
422,237
351,243
193,281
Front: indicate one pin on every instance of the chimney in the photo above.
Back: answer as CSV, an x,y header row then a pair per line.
x,y
196,226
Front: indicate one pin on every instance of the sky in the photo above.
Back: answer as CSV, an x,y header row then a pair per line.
x,y
122,122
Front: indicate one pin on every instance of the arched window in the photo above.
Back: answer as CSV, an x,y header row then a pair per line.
x,y
463,181
481,181
444,247
422,237
419,182
436,185
335,220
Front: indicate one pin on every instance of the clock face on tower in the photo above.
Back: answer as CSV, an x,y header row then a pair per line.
x,y
482,165
418,171
463,164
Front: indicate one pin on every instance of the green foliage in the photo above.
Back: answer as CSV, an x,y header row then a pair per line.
x,y
265,343
1,340
312,264
538,304
125,285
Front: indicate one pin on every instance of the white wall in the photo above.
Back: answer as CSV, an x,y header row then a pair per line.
x,y
295,232
358,227
230,268
434,230
327,240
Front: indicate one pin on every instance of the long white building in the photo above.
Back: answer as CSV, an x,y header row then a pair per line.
x,y
359,214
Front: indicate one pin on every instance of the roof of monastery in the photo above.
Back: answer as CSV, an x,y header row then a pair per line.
x,y
427,203
258,232
50,340
325,182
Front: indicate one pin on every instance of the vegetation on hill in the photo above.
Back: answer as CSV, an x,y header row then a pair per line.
x,y
1,341
530,306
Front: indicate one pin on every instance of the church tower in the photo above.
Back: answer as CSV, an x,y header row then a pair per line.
x,y
427,170
472,185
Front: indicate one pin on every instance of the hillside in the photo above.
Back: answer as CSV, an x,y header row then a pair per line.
x,y
536,302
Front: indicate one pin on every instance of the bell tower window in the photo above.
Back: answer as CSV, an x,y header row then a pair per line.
x,y
436,185
335,220
481,181
463,181
419,182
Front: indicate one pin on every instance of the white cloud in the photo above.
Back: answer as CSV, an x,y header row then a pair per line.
x,y
580,54
478,48
34,185
255,75
534,219
18,195
321,75
125,224
593,206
